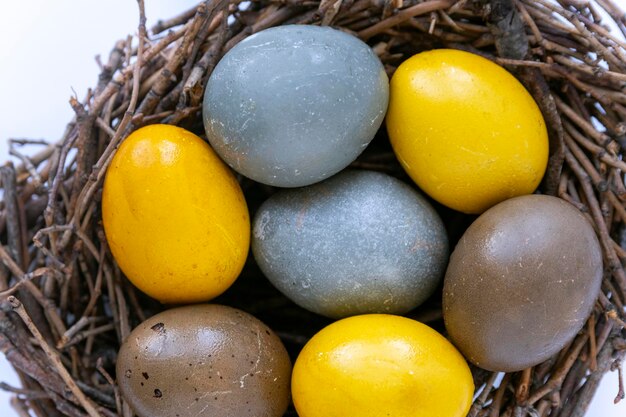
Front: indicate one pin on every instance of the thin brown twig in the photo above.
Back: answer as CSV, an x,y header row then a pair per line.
x,y
496,405
521,395
617,365
24,393
559,375
39,272
591,330
87,333
614,264
111,382
53,356
163,25
97,173
482,398
19,407
404,15
578,406
612,314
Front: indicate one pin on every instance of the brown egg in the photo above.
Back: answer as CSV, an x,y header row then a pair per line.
x,y
204,360
521,282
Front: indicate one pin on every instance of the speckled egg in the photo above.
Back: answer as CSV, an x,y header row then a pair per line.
x,y
521,282
360,242
204,360
292,105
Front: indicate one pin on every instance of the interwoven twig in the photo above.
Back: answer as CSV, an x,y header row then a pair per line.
x,y
66,306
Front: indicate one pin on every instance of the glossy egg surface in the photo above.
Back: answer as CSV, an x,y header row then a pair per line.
x,y
465,130
204,360
378,365
174,216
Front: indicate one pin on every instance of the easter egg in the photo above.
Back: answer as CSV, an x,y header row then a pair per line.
x,y
465,130
174,216
359,242
380,365
521,282
292,105
204,360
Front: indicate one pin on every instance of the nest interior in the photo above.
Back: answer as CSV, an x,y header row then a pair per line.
x,y
66,306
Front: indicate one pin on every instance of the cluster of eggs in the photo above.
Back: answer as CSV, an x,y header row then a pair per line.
x,y
292,107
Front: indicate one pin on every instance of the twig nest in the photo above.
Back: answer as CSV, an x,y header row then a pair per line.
x,y
204,360
292,105
521,282
360,242
68,290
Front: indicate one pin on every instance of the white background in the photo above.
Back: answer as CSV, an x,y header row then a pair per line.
x,y
47,49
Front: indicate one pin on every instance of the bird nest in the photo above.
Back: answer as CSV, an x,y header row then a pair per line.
x,y
66,306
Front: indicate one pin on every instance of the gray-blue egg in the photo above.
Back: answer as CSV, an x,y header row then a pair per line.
x,y
360,242
293,105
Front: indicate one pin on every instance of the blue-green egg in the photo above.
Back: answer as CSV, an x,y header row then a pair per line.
x,y
359,242
292,105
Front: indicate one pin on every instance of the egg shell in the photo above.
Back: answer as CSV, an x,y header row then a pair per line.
x,y
174,216
521,282
292,105
465,130
204,360
377,365
360,242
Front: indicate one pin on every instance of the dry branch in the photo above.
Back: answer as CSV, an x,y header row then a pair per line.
x,y
76,305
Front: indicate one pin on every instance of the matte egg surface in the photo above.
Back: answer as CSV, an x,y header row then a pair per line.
x,y
521,282
360,242
292,105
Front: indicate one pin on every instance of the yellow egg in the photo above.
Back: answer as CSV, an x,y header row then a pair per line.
x,y
174,216
465,130
380,365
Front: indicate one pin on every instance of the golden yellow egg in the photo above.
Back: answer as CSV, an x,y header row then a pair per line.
x,y
380,365
465,130
174,216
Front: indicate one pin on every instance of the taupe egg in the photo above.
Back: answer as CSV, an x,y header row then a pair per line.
x,y
204,360
521,282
